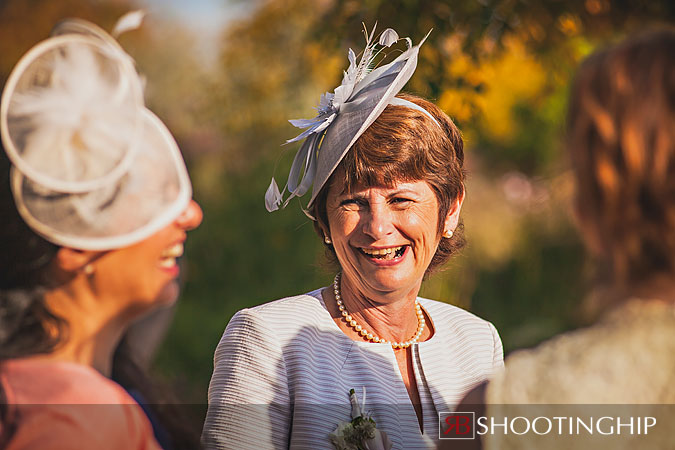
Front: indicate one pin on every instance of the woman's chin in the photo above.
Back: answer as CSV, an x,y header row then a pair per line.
x,y
169,294
164,298
389,280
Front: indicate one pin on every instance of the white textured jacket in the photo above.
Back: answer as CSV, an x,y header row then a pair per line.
x,y
283,371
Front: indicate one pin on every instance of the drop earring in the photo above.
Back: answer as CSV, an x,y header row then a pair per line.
x,y
88,270
327,240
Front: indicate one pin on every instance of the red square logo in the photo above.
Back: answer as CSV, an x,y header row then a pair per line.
x,y
457,425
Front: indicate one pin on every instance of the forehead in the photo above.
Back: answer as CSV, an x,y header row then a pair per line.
x,y
340,188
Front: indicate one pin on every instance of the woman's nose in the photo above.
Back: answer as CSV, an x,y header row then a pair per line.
x,y
378,222
191,217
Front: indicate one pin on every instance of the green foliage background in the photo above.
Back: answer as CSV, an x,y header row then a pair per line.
x,y
500,68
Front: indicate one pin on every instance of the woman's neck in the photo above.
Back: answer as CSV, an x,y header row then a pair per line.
x,y
94,329
389,316
604,298
658,287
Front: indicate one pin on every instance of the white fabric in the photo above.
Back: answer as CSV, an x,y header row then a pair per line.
x,y
622,366
92,168
283,371
397,101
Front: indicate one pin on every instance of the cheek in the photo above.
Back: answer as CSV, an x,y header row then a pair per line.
x,y
134,272
343,223
424,225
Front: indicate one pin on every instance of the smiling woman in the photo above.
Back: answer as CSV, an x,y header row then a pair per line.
x,y
388,187
411,167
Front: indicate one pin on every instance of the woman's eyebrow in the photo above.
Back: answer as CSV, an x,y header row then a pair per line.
x,y
404,190
351,195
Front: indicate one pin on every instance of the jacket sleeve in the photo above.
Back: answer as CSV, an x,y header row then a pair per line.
x,y
249,401
498,353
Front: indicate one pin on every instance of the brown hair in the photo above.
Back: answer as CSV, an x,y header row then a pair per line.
x,y
404,144
621,139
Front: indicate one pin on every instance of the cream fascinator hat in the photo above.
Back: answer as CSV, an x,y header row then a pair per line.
x,y
92,168
345,114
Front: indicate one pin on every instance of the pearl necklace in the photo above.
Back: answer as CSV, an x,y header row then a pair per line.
x,y
368,335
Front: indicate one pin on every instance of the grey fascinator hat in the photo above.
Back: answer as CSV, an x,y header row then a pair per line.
x,y
345,114
92,167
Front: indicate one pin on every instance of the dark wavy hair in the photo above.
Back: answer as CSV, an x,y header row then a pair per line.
x,y
27,327
403,144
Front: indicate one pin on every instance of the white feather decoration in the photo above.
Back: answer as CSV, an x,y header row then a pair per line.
x,y
273,197
78,121
130,21
388,37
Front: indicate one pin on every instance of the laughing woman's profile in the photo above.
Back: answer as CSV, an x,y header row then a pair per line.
x,y
95,204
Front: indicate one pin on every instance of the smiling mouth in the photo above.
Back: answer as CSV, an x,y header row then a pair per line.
x,y
168,256
384,253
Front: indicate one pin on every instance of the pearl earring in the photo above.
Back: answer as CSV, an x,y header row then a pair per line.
x,y
327,240
88,270
448,234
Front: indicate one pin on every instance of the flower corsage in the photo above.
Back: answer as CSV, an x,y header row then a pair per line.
x,y
361,433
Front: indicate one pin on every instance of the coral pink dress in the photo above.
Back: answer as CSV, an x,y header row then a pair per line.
x,y
52,405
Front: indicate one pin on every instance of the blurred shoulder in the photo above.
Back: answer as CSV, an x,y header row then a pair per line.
x,y
37,380
597,364
57,405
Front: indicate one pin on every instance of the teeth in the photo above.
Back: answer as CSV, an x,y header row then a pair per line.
x,y
173,252
167,263
382,252
168,257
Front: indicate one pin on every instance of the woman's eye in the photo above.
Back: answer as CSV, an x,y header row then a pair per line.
x,y
400,200
352,202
